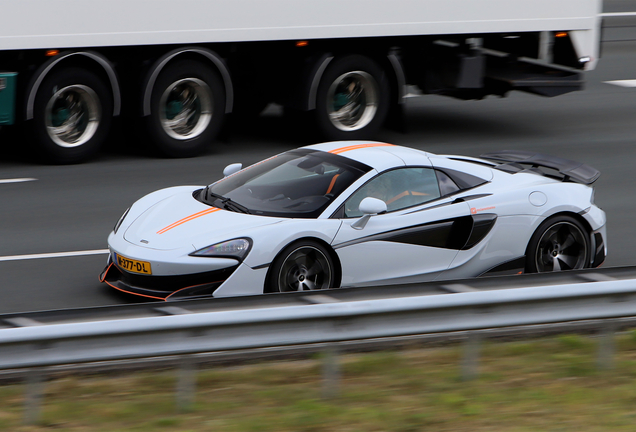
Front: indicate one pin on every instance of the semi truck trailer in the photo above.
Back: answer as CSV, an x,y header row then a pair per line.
x,y
177,70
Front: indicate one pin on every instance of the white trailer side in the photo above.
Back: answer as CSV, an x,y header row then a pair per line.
x,y
125,48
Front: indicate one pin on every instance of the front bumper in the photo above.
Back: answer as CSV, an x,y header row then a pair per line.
x,y
165,287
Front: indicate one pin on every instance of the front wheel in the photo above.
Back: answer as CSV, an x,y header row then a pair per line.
x,y
560,243
303,266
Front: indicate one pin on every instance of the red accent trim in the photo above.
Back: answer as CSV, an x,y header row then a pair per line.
x,y
103,280
104,273
134,293
193,286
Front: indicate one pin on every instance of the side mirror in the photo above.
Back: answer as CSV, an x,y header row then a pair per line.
x,y
232,168
369,207
372,206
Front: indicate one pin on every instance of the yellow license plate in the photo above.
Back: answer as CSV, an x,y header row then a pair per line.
x,y
133,266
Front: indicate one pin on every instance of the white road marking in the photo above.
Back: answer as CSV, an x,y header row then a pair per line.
x,y
54,255
623,83
618,14
17,180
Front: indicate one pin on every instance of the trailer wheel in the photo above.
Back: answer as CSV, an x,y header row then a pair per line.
x,y
187,109
352,99
72,114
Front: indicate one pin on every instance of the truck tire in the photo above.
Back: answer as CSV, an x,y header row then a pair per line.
x,y
187,109
352,100
72,114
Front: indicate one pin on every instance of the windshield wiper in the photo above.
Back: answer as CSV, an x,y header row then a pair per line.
x,y
227,203
236,207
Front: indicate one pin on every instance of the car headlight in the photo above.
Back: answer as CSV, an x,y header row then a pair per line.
x,y
121,219
236,248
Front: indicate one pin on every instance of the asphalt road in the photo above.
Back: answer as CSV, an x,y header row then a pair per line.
x,y
73,208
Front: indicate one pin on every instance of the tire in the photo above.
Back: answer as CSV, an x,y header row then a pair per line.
x,y
302,266
187,109
72,115
560,243
352,100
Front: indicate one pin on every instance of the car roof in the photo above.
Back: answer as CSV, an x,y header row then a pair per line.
x,y
378,155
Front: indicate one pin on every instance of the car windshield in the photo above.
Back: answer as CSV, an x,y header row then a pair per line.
x,y
299,183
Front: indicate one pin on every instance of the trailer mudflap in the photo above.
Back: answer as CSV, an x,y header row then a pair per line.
x,y
7,97
543,80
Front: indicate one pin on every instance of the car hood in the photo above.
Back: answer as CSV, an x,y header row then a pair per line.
x,y
181,221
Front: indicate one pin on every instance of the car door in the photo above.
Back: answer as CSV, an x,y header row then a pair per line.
x,y
416,239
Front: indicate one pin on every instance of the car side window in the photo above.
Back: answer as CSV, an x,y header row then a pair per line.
x,y
446,185
399,188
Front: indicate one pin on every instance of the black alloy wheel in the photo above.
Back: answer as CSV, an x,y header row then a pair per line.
x,y
303,266
560,243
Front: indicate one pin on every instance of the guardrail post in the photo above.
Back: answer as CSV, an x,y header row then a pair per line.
x,y
470,359
330,372
33,395
186,383
607,345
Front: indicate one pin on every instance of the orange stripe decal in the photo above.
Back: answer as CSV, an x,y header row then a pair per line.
x,y
333,182
358,146
188,218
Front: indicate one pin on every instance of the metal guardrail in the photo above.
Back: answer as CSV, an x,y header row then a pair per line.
x,y
58,344
618,26
160,308
619,20
329,324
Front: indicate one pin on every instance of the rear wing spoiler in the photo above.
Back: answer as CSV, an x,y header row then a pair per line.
x,y
518,160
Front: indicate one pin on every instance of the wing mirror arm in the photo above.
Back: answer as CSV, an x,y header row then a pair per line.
x,y
369,207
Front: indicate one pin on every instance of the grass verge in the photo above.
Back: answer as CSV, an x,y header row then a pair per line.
x,y
541,385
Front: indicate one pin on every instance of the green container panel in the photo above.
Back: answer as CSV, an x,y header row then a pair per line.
x,y
7,97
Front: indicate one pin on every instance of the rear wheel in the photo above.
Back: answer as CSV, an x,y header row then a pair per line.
x,y
352,99
560,243
187,108
303,266
72,115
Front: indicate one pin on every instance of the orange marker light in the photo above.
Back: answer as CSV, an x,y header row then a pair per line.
x,y
302,44
561,34
51,53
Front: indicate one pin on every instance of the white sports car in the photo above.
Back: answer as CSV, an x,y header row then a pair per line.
x,y
344,214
